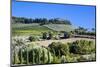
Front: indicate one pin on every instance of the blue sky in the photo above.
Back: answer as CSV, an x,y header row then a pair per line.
x,y
78,15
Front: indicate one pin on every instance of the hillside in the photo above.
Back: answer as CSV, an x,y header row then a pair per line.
x,y
36,26
36,29
28,29
60,27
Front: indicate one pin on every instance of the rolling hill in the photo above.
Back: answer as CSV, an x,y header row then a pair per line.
x,y
28,26
36,29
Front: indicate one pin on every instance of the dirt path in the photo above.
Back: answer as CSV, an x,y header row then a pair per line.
x,y
47,42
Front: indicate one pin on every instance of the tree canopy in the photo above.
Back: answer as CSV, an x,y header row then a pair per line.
x,y
41,21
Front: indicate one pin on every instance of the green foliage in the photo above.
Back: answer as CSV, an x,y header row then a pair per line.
x,y
56,60
83,31
17,42
36,29
29,29
15,58
50,35
33,38
34,54
63,59
42,21
89,57
44,35
56,52
82,47
58,47
66,34
72,57
48,53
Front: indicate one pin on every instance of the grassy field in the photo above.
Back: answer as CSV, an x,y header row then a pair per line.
x,y
36,29
29,29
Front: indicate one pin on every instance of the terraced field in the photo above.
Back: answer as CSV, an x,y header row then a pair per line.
x,y
60,27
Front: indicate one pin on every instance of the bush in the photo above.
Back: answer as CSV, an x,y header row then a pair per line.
x,y
35,54
33,38
82,47
59,48
50,35
68,58
44,35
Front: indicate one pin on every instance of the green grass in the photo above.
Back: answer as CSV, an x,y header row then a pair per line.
x,y
20,25
29,29
36,29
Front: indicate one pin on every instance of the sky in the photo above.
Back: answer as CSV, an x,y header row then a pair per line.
x,y
79,15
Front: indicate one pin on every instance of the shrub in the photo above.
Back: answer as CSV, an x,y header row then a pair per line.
x,y
44,35
33,38
74,48
36,55
50,35
72,57
82,47
58,47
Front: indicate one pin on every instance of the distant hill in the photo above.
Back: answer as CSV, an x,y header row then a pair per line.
x,y
26,26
